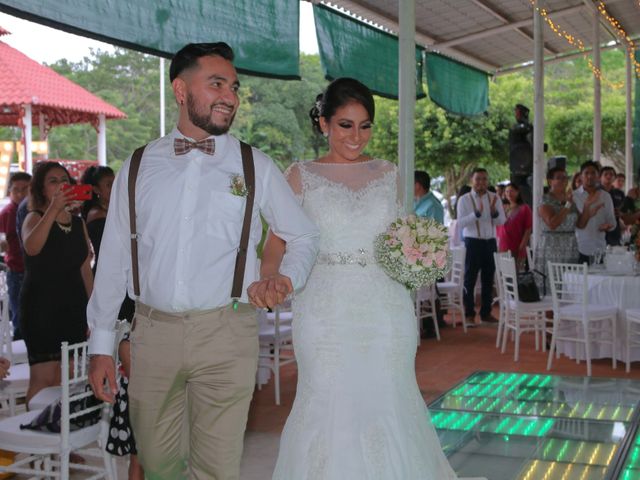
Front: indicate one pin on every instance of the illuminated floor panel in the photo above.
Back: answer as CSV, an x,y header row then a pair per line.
x,y
507,426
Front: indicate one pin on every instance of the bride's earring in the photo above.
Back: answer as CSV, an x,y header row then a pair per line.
x,y
325,134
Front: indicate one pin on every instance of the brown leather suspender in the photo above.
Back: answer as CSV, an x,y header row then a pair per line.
x,y
133,176
241,257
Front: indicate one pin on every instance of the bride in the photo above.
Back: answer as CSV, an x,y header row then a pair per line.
x,y
358,413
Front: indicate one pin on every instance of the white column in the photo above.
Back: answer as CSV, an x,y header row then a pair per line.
x,y
628,131
407,100
162,107
102,140
27,121
538,121
597,102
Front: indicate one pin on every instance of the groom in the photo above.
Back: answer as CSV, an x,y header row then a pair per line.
x,y
194,351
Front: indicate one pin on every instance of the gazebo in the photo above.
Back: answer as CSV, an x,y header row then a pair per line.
x,y
33,94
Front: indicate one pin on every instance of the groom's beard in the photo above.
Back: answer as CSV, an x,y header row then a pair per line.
x,y
202,119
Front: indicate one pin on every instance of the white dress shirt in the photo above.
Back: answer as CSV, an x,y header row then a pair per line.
x,y
590,238
468,221
189,226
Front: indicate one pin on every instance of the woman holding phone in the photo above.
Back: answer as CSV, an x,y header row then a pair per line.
x,y
58,278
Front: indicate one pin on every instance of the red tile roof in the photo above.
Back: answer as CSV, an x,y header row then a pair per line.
x,y
25,81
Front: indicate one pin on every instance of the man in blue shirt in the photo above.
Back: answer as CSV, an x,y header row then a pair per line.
x,y
426,203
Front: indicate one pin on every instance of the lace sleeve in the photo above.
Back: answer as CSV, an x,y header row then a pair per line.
x,y
293,175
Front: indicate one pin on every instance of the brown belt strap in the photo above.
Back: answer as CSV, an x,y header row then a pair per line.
x,y
134,166
241,257
250,182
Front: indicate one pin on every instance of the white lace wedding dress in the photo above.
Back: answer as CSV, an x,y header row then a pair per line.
x,y
358,413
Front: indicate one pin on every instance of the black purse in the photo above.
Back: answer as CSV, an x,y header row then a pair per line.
x,y
527,288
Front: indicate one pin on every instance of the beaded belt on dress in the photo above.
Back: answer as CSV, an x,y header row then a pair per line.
x,y
360,257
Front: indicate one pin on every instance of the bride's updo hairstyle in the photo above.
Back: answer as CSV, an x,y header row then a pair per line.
x,y
339,93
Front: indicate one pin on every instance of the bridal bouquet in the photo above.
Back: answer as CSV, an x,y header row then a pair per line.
x,y
414,251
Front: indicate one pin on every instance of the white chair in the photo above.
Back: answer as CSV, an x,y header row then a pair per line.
x,y
276,343
519,316
633,333
574,319
502,305
530,257
15,385
47,454
14,350
452,291
426,307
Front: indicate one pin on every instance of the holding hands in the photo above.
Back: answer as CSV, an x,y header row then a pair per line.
x,y
270,291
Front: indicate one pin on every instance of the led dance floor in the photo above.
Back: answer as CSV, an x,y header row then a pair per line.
x,y
512,426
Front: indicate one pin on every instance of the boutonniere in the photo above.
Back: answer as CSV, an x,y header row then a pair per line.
x,y
238,186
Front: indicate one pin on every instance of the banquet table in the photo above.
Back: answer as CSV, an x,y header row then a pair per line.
x,y
608,288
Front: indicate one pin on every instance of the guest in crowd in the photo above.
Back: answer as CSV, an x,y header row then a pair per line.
x,y
620,181
596,214
426,203
21,214
58,278
479,212
4,368
121,439
514,235
18,190
576,181
94,211
630,209
557,241
607,180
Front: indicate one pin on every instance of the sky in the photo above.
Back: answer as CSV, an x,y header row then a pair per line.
x,y
47,45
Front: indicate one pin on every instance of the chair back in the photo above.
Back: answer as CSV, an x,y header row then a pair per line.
x,y
568,284
75,374
457,265
6,329
530,257
508,277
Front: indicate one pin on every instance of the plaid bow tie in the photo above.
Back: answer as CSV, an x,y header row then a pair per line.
x,y
182,146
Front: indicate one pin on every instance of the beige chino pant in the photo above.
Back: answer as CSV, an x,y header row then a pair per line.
x,y
199,368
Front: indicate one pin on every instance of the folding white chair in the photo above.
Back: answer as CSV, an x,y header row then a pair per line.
x,y
14,350
46,455
519,316
276,344
633,333
451,291
426,307
15,385
502,304
574,319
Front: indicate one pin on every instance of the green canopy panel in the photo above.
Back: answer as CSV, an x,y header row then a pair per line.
x,y
456,87
263,35
349,48
636,126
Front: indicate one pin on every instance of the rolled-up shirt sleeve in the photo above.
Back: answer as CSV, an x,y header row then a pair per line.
x,y
113,269
287,220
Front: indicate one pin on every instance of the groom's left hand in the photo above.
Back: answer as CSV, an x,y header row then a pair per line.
x,y
270,291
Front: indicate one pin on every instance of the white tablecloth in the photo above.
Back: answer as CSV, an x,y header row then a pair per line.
x,y
623,291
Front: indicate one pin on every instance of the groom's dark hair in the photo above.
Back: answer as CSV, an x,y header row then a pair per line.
x,y
187,57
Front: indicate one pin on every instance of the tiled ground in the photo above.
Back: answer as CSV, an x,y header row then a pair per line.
x,y
439,366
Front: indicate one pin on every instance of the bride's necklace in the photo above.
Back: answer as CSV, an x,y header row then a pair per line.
x,y
65,227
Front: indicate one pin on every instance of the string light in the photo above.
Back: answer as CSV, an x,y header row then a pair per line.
x,y
631,46
579,44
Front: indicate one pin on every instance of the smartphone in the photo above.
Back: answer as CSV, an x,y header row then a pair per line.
x,y
80,192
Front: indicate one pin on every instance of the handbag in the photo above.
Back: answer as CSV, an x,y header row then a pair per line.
x,y
527,288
